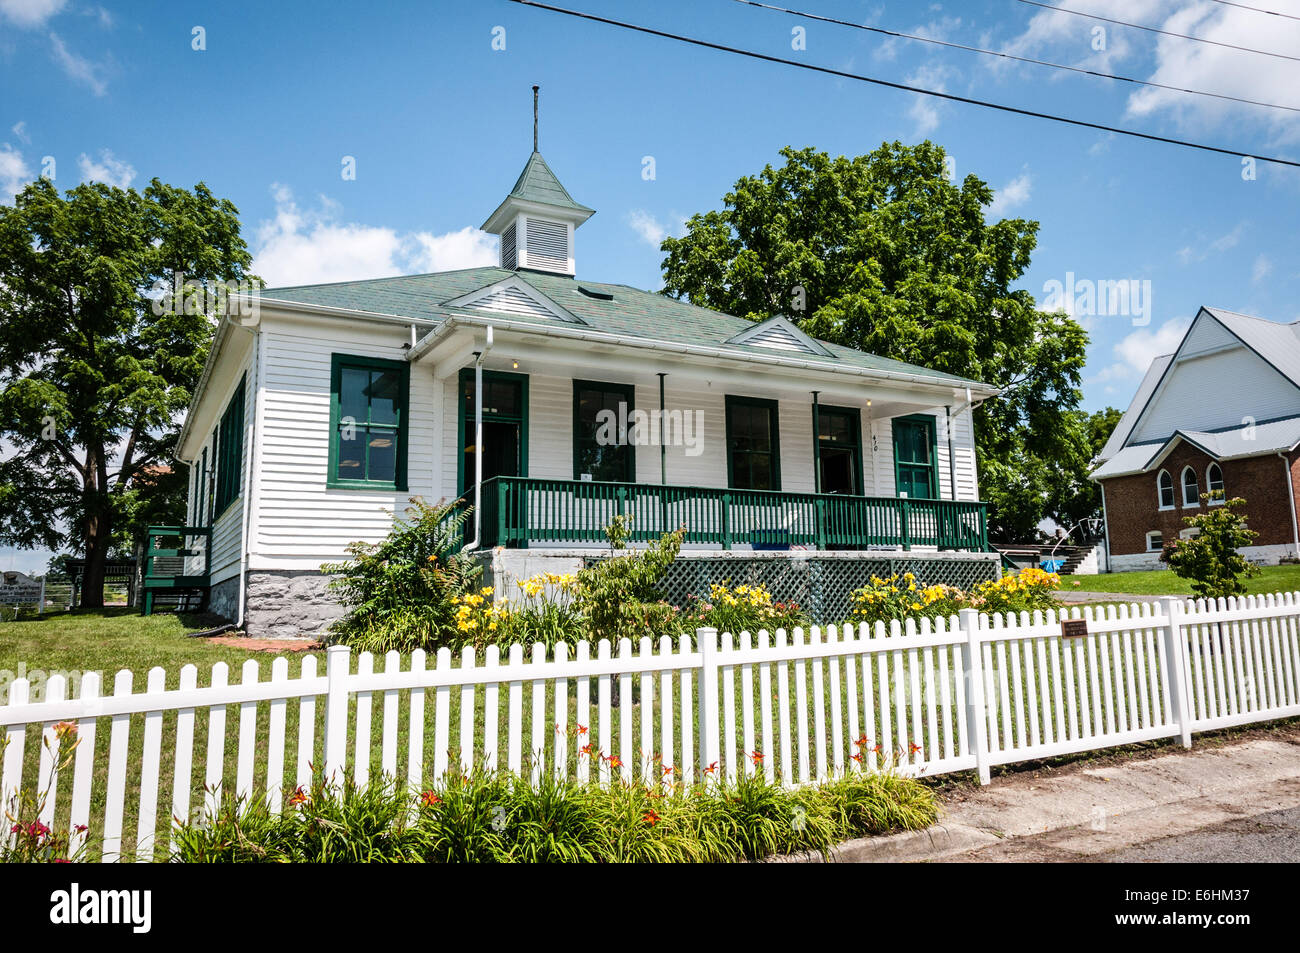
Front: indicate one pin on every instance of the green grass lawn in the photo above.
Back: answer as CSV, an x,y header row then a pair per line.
x,y
1163,582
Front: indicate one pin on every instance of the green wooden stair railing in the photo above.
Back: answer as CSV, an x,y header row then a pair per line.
x,y
176,558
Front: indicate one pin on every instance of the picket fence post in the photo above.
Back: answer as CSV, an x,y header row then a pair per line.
x,y
1176,652
338,662
972,656
707,640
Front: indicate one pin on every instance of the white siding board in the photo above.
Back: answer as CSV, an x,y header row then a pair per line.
x,y
1217,391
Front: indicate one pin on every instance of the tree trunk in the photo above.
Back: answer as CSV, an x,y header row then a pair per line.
x,y
92,583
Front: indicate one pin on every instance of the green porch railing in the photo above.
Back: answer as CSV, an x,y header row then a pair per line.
x,y
520,511
176,558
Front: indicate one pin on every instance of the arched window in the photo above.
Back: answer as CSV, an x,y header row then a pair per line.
x,y
1165,490
1191,489
1214,483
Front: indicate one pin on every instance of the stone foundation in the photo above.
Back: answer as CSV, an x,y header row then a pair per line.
x,y
1259,555
285,603
223,599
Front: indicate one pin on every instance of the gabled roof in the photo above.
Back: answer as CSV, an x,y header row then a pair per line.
x,y
1120,434
611,308
779,333
1278,345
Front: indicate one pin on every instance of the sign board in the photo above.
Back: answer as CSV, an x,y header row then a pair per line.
x,y
1073,628
18,588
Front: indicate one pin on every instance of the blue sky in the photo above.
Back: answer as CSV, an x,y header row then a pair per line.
x,y
439,125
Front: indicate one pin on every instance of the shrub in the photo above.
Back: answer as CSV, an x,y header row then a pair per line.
x,y
1210,559
496,817
620,595
744,609
400,593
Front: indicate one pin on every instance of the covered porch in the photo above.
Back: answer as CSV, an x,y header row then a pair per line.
x,y
518,512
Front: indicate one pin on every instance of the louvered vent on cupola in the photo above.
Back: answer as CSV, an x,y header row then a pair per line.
x,y
547,246
509,258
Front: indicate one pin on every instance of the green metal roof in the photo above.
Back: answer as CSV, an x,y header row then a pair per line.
x,y
537,183
619,309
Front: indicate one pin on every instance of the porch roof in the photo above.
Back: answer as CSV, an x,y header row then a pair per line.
x,y
613,309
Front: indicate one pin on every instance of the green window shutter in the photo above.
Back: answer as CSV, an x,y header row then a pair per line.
x,y
230,451
369,411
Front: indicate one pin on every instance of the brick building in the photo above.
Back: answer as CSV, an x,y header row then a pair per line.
x,y
1222,413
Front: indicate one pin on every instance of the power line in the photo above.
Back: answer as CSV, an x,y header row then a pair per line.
x,y
1011,56
1242,6
1151,29
952,97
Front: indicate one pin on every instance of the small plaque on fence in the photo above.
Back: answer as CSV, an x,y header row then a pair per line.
x,y
1073,628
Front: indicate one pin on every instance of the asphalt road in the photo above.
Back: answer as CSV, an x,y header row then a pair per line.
x,y
1273,837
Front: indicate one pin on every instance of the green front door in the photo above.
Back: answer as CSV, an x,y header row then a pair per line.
x,y
914,458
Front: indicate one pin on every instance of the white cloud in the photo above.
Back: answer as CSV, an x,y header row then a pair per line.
x,y
650,229
924,111
1189,254
313,246
78,67
14,173
1137,350
1013,194
19,129
30,14
1262,269
1179,63
109,169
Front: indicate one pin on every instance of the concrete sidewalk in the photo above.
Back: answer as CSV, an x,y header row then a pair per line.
x,y
1238,800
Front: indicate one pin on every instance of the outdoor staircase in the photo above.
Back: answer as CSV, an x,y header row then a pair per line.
x,y
1076,557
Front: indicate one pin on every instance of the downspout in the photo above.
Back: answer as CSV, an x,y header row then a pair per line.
x,y
817,447
952,457
1290,497
248,478
1105,525
663,447
478,442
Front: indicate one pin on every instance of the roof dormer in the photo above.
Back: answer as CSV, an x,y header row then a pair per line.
x,y
537,219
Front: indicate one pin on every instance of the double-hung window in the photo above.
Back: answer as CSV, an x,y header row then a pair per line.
x,y
369,400
753,444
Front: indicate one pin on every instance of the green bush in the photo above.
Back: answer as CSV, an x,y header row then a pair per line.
x,y
1210,559
620,595
500,818
400,592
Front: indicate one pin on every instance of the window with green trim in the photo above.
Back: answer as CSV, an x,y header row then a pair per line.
x,y
369,400
916,465
229,449
601,450
753,444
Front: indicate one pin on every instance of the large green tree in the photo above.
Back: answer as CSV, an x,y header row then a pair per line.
x,y
884,252
93,379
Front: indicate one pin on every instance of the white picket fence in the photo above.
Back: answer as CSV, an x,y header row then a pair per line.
x,y
927,697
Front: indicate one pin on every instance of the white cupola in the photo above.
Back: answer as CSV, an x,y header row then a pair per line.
x,y
537,219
